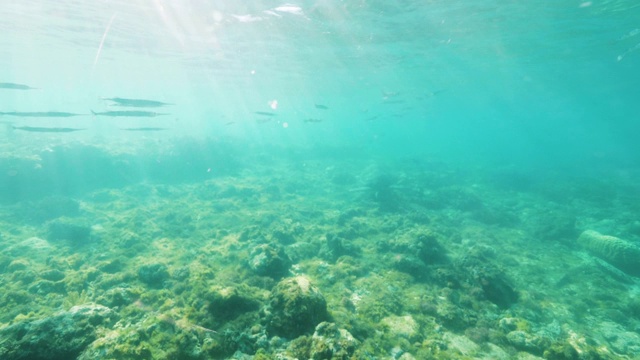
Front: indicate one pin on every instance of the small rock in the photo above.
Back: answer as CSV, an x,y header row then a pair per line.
x,y
154,274
18,264
329,342
295,308
269,260
228,303
52,275
460,343
403,326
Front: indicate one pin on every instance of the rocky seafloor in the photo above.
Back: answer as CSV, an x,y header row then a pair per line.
x,y
327,258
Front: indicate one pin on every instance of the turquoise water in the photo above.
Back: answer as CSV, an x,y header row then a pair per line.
x,y
454,179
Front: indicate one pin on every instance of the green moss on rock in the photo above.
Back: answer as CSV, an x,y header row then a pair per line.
x,y
295,308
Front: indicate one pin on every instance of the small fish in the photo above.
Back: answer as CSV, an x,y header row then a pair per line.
x,y
263,120
144,129
136,102
321,107
128,113
230,123
47,129
12,86
311,120
40,114
265,113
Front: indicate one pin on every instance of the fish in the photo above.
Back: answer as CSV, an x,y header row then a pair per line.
x,y
265,113
144,129
321,107
47,129
230,123
128,113
12,86
40,114
263,120
136,102
311,120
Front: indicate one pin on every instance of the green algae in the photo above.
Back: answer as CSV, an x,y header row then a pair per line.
x,y
209,303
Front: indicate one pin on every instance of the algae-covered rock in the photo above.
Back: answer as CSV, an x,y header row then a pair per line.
x,y
619,253
154,274
402,326
337,246
330,342
59,337
295,308
269,260
229,302
75,231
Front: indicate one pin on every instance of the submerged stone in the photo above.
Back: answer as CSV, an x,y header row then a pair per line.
x,y
228,303
402,326
269,260
330,342
154,274
59,337
295,308
617,252
75,231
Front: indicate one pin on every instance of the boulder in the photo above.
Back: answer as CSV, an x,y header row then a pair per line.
x,y
59,337
617,252
295,308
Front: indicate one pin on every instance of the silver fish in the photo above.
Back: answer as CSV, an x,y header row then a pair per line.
x,y
128,113
12,86
39,114
46,129
136,102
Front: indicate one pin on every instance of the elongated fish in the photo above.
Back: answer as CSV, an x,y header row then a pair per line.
x,y
265,113
128,113
46,129
312,120
136,102
322,107
12,86
39,114
144,129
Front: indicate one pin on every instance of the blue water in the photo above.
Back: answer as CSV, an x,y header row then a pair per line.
x,y
505,82
506,128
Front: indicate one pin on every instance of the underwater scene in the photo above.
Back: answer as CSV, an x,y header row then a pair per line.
x,y
319,179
